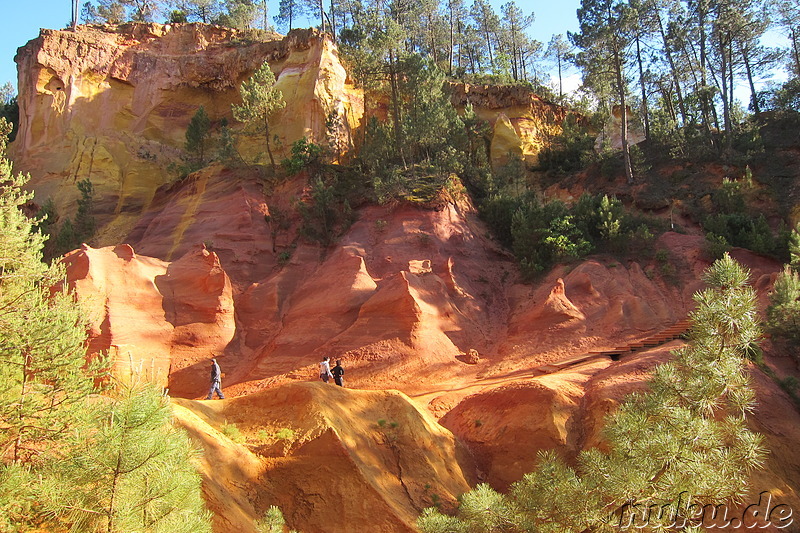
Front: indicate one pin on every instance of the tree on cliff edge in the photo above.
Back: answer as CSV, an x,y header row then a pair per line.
x,y
260,99
685,441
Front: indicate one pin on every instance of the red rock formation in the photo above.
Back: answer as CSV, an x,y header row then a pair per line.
x,y
152,317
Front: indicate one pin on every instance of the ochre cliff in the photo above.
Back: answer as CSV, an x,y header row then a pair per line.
x,y
522,123
112,104
195,268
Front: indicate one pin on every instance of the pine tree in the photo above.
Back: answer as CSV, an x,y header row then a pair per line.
x,y
43,372
70,459
604,39
288,12
259,100
794,248
783,313
273,522
198,137
560,51
683,441
128,469
84,221
42,337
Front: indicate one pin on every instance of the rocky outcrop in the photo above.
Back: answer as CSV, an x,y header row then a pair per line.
x,y
522,122
112,103
332,459
161,320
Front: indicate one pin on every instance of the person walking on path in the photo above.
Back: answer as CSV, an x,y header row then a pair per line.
x,y
216,381
338,373
325,369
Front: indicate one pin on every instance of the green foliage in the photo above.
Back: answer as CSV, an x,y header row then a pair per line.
x,y
116,11
794,248
610,215
9,112
128,469
71,234
285,433
430,124
198,138
272,522
70,459
239,14
259,100
729,198
425,140
304,155
543,234
715,246
785,98
571,150
226,148
783,313
326,216
84,221
233,432
742,230
41,336
686,436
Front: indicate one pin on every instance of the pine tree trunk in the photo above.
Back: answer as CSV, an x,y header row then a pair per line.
x,y
333,20
753,94
489,45
452,43
322,16
705,104
645,112
395,104
626,151
673,71
724,79
796,50
269,148
667,96
560,82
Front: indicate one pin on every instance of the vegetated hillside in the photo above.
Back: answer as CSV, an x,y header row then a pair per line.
x,y
272,274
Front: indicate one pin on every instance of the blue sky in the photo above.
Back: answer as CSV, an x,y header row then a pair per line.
x,y
21,21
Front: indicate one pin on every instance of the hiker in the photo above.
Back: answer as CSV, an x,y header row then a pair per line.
x,y
338,372
216,381
325,369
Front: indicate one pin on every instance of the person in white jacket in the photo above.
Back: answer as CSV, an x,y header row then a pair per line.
x,y
325,369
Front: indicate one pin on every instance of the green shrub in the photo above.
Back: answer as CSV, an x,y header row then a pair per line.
x,y
304,155
285,434
572,149
783,313
715,246
232,432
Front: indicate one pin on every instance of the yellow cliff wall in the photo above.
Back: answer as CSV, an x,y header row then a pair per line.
x,y
112,103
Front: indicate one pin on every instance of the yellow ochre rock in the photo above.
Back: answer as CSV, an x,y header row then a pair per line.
x,y
112,104
522,122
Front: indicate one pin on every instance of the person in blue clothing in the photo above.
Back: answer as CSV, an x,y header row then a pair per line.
x,y
216,381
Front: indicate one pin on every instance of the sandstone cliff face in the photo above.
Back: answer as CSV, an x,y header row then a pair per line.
x,y
112,104
522,122
155,318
